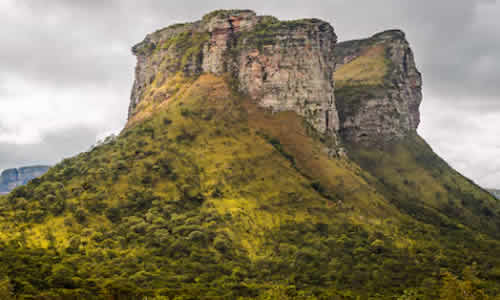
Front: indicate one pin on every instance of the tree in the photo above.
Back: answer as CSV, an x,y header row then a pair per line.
x,y
6,289
455,289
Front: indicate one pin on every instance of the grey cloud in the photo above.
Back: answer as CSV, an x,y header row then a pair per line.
x,y
54,147
60,52
458,55
79,48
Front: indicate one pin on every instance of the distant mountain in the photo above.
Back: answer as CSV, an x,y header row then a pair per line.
x,y
12,178
495,192
261,160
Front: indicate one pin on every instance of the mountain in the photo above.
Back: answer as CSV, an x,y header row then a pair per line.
x,y
261,160
12,178
378,88
495,193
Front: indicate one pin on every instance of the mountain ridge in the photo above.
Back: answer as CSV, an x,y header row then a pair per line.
x,y
228,183
259,48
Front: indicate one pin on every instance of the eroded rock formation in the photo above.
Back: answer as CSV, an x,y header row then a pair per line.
x,y
290,66
378,88
284,66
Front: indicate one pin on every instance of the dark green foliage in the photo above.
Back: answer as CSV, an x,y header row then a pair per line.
x,y
113,214
137,218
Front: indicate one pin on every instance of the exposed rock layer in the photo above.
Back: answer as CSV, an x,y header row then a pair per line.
x,y
281,65
12,178
290,66
384,104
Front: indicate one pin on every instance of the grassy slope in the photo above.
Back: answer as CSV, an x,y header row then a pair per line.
x,y
224,156
421,180
207,194
366,70
362,79
419,183
410,168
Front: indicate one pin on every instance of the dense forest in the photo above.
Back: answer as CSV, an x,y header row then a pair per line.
x,y
212,199
208,195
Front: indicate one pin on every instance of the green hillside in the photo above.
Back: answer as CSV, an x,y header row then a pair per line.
x,y
215,198
207,195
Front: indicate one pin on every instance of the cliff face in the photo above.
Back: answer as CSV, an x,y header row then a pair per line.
x,y
207,194
378,88
288,66
12,178
283,66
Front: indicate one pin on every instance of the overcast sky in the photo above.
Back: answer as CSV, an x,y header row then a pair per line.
x,y
66,69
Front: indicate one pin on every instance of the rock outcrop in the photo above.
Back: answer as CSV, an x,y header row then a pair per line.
x,y
289,66
282,65
12,178
378,88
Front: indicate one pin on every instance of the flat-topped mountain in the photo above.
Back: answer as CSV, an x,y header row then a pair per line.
x,y
12,178
378,88
261,160
289,66
282,65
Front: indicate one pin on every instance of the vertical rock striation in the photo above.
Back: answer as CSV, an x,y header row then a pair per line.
x,y
289,66
378,88
282,65
292,69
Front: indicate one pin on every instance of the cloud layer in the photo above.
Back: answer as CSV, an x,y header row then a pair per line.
x,y
66,70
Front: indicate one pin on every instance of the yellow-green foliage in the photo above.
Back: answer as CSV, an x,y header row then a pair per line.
x,y
456,289
243,153
6,292
207,195
186,43
158,94
368,69
412,169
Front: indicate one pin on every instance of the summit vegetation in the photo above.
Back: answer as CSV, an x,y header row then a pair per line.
x,y
207,195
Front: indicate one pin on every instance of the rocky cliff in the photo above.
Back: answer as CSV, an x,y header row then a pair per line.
x,y
219,189
378,88
12,178
288,66
282,65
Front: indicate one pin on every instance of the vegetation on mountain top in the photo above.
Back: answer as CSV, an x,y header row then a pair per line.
x,y
368,69
207,195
